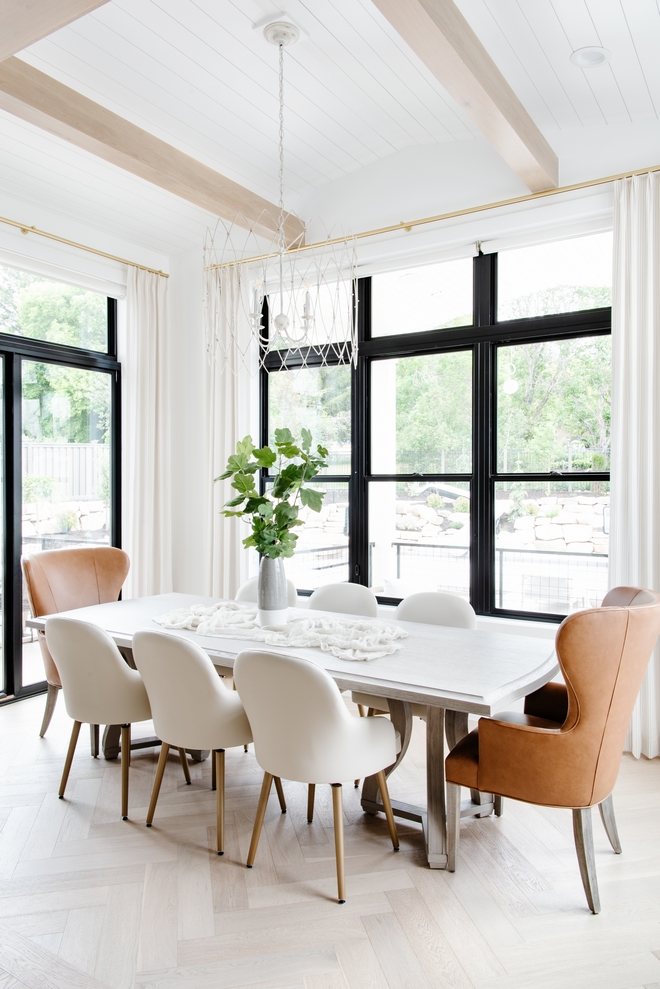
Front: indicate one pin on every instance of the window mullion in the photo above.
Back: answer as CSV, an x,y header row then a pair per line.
x,y
12,579
483,430
358,527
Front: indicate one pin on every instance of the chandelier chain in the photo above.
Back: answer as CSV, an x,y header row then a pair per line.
x,y
315,308
281,149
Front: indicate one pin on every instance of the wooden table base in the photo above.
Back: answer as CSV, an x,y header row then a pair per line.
x,y
433,818
111,744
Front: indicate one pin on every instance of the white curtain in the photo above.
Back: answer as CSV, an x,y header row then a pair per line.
x,y
635,536
231,415
146,481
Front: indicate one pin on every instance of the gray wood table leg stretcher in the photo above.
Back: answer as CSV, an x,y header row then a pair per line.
x,y
432,818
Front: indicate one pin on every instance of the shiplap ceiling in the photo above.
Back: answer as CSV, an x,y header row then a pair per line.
x,y
531,41
196,74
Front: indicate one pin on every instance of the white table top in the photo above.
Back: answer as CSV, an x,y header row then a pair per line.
x,y
459,669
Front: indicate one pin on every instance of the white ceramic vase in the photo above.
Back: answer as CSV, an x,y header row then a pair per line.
x,y
272,593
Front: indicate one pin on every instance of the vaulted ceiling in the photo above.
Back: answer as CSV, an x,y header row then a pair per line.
x,y
199,76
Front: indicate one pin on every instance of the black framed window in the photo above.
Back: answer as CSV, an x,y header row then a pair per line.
x,y
61,457
479,438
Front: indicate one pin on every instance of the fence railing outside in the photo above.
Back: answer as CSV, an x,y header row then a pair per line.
x,y
78,470
526,579
318,558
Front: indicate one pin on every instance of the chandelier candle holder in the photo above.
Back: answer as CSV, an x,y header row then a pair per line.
x,y
271,294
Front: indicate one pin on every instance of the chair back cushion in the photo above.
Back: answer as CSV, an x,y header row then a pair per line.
x,y
348,599
99,687
625,597
603,654
301,727
64,579
437,608
190,705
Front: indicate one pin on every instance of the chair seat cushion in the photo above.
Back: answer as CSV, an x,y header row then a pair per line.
x,y
462,763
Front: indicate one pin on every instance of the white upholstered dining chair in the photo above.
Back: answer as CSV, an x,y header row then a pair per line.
x,y
303,731
204,715
349,599
99,688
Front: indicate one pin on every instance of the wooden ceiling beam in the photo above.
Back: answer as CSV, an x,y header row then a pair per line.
x,y
22,22
439,34
31,95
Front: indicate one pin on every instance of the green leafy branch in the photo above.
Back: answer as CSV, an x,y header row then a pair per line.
x,y
274,515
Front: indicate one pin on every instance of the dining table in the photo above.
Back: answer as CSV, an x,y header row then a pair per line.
x,y
452,672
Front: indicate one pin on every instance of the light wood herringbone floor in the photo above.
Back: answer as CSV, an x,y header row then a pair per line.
x,y
87,900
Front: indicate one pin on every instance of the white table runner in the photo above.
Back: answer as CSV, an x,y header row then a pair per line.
x,y
345,638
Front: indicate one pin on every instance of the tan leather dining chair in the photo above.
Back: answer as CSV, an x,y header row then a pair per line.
x,y
565,750
63,579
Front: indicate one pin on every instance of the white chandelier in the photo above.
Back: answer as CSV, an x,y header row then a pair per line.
x,y
293,304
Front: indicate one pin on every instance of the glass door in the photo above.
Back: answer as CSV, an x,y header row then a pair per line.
x,y
65,454
59,443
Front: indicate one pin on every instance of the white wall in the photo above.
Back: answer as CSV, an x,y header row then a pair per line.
x,y
55,260
190,499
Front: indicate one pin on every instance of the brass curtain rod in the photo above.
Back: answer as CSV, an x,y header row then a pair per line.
x,y
403,225
25,229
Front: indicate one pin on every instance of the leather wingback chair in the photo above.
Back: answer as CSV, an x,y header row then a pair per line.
x,y
63,579
565,750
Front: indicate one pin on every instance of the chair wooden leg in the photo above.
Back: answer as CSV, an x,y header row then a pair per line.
x,y
584,846
360,708
259,819
453,824
338,816
125,764
280,794
184,765
75,731
387,806
213,779
162,762
311,793
51,701
94,740
219,760
606,809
